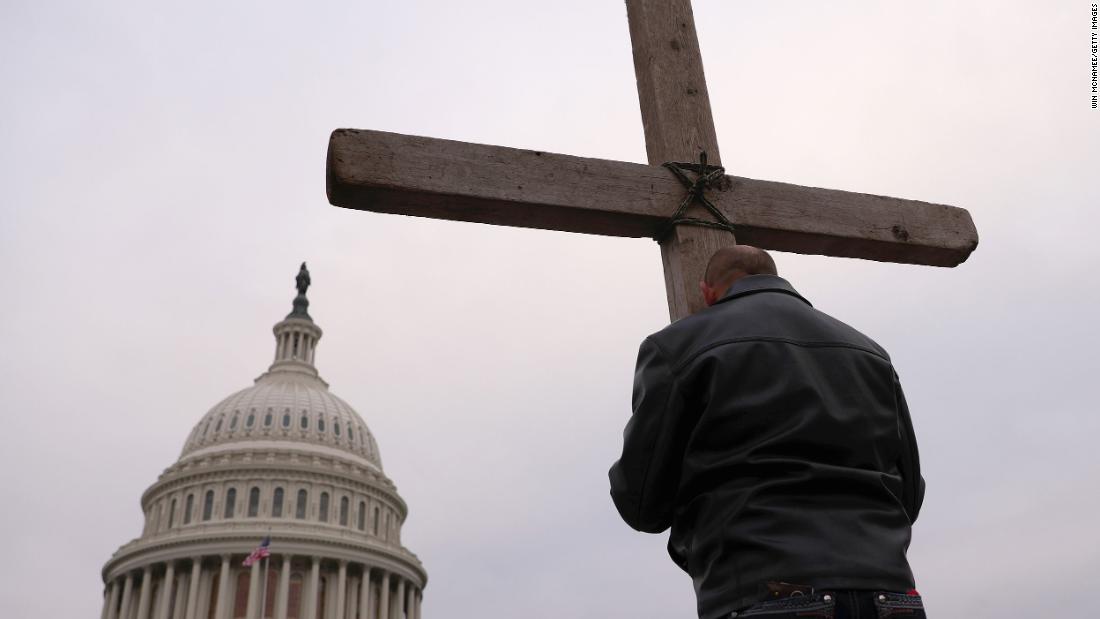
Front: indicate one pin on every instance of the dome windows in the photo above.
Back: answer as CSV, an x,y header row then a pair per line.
x,y
230,502
277,504
249,417
253,502
300,509
333,508
268,411
187,507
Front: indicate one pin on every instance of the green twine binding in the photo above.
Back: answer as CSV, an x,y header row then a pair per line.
x,y
708,176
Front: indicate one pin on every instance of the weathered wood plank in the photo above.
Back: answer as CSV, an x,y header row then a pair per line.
x,y
444,179
672,90
393,173
676,116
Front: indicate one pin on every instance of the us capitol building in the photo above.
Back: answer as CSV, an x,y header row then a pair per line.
x,y
283,458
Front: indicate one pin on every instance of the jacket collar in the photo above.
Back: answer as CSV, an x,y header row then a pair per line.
x,y
751,284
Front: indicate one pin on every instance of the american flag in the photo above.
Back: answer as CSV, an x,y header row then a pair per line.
x,y
260,552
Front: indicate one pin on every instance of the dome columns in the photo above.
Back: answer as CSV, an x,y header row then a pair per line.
x,y
127,593
342,589
282,595
364,593
384,597
399,599
351,589
110,609
165,602
295,344
314,588
193,589
146,592
254,591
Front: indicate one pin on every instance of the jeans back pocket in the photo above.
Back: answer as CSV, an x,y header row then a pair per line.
x,y
817,606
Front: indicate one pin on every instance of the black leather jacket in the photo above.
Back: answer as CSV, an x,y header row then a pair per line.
x,y
776,443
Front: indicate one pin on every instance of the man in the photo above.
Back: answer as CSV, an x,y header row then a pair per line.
x,y
776,442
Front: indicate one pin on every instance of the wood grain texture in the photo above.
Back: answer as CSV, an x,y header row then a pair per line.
x,y
445,179
678,124
672,90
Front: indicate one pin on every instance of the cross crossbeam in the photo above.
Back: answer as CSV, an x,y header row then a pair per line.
x,y
444,179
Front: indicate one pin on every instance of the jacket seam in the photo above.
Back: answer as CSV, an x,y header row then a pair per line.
x,y
805,344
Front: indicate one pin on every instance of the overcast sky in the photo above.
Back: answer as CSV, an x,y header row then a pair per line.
x,y
162,176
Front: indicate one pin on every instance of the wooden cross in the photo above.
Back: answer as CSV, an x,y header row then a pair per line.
x,y
444,179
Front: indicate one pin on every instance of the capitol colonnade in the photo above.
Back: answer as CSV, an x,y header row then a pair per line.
x,y
218,587
287,459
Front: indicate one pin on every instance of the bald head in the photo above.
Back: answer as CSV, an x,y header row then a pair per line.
x,y
730,264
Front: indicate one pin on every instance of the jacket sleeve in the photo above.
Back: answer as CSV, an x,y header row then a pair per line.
x,y
909,464
645,479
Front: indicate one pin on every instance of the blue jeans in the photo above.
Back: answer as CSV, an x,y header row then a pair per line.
x,y
852,604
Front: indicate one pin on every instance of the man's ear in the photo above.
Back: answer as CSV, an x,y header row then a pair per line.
x,y
708,293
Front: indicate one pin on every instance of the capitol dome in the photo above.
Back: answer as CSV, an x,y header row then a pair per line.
x,y
283,459
285,406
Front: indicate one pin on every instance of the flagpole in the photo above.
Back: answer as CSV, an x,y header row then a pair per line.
x,y
263,596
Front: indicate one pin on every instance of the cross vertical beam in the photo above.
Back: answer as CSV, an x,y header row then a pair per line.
x,y
676,115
